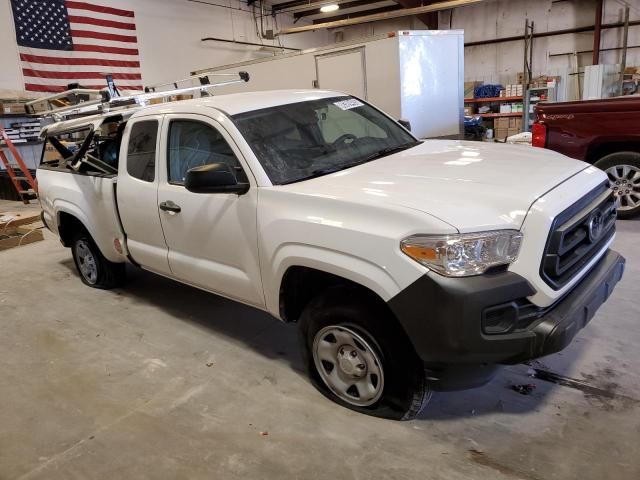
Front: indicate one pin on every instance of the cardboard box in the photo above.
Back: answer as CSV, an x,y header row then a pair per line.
x,y
501,123
500,133
50,153
12,107
470,110
512,131
469,88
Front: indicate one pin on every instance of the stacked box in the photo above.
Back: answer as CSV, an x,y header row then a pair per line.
x,y
514,90
502,123
501,127
515,122
500,133
12,107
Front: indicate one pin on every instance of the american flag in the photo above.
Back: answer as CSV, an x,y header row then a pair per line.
x,y
64,41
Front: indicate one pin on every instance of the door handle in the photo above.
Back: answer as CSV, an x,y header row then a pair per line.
x,y
170,207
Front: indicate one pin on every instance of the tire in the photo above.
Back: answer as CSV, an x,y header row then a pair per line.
x,y
623,170
390,375
94,269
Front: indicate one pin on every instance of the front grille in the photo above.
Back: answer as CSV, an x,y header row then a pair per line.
x,y
577,234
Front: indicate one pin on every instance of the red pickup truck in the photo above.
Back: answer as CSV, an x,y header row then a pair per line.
x,y
605,133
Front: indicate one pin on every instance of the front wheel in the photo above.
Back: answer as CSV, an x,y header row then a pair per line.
x,y
357,355
623,170
94,269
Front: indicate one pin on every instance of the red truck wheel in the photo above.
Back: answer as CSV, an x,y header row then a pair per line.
x,y
623,170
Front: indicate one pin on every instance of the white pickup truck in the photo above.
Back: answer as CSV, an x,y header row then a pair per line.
x,y
410,266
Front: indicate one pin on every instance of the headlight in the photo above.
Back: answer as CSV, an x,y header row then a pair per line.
x,y
462,255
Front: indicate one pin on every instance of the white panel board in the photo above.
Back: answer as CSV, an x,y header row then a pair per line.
x,y
343,71
431,82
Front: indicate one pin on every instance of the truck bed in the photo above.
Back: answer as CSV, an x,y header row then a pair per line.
x,y
83,196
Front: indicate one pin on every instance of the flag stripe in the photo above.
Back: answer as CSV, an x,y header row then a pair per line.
x,y
101,16
63,82
34,87
103,36
79,19
77,61
102,43
39,67
74,54
28,72
98,8
97,48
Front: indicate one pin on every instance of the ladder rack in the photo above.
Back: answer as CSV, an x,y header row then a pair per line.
x,y
79,102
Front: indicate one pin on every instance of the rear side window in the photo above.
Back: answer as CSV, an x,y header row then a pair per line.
x,y
141,151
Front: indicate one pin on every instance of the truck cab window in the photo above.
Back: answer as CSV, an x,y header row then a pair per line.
x,y
141,151
193,144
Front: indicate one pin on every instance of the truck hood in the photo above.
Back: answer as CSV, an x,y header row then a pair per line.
x,y
472,186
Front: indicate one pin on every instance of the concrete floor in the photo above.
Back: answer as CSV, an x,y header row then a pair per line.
x,y
160,380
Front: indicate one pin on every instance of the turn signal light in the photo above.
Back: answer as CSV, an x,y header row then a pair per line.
x,y
539,135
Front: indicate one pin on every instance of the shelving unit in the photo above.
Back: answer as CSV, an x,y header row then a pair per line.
x,y
529,103
29,151
496,101
496,115
493,100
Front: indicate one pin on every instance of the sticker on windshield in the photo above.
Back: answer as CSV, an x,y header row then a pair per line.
x,y
348,104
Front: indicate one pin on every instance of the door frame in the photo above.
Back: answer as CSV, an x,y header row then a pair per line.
x,y
347,51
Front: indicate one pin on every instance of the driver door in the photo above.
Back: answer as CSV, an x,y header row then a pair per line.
x,y
212,239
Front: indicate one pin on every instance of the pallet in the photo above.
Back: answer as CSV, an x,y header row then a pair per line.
x,y
20,228
18,236
16,219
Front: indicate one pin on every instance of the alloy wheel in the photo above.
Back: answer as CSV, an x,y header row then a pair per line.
x,y
625,183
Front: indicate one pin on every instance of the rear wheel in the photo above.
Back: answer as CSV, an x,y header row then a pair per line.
x,y
357,356
623,170
94,269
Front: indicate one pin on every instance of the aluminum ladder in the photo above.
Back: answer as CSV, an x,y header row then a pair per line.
x,y
18,172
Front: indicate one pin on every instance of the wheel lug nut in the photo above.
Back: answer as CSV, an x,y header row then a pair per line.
x,y
353,353
361,366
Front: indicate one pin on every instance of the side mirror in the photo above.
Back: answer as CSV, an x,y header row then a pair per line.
x,y
214,178
405,123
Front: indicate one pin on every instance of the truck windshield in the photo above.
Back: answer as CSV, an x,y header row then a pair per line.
x,y
303,140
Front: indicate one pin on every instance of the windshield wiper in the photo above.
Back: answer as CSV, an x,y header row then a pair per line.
x,y
389,150
375,155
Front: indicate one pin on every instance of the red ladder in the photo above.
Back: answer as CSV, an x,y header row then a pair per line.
x,y
25,174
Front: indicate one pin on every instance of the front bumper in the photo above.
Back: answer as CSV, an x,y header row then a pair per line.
x,y
444,317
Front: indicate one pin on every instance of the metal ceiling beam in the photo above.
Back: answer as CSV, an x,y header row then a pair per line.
x,y
294,3
406,12
429,19
588,28
343,6
302,5
388,8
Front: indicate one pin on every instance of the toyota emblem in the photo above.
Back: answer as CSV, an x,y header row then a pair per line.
x,y
595,226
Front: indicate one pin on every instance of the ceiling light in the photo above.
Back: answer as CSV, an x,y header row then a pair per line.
x,y
329,8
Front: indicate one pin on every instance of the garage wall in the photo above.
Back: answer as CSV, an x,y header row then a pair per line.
x,y
169,33
506,18
501,62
